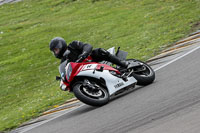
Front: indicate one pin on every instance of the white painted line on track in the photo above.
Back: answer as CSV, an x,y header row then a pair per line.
x,y
177,58
41,123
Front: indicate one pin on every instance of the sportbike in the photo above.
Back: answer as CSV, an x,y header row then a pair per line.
x,y
94,83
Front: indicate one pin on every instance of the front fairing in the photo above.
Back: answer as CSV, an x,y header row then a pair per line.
x,y
62,68
76,68
69,70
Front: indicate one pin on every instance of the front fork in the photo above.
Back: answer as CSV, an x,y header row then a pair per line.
x,y
90,86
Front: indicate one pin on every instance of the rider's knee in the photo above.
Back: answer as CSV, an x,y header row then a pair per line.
x,y
103,52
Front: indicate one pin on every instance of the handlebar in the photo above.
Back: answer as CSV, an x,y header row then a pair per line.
x,y
79,59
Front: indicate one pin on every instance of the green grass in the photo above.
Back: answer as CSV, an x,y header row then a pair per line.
x,y
28,69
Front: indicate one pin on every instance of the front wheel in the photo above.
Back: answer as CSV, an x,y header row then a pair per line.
x,y
94,97
144,74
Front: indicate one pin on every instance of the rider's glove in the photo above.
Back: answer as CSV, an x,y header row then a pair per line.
x,y
79,60
82,57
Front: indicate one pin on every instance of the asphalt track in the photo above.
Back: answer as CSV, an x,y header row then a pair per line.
x,y
170,105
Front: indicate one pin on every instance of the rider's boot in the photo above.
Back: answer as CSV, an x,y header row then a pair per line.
x,y
114,59
122,63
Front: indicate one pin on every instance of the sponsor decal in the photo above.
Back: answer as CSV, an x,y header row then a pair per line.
x,y
118,85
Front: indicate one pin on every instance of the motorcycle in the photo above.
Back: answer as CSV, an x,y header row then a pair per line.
x,y
94,83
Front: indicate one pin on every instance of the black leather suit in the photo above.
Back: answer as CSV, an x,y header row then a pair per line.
x,y
76,49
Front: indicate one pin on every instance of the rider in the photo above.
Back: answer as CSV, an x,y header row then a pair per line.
x,y
77,51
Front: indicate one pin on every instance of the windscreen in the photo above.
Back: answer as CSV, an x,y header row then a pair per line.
x,y
62,68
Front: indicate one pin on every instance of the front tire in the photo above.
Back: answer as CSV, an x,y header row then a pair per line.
x,y
99,97
143,77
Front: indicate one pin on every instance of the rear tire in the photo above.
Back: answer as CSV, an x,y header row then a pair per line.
x,y
87,96
145,77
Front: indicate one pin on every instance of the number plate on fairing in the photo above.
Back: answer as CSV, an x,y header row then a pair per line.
x,y
89,67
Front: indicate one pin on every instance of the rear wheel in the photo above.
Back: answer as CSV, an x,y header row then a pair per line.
x,y
144,74
97,96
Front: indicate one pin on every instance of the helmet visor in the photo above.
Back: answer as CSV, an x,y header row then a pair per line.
x,y
56,51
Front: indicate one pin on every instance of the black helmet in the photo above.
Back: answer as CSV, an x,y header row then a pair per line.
x,y
58,46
